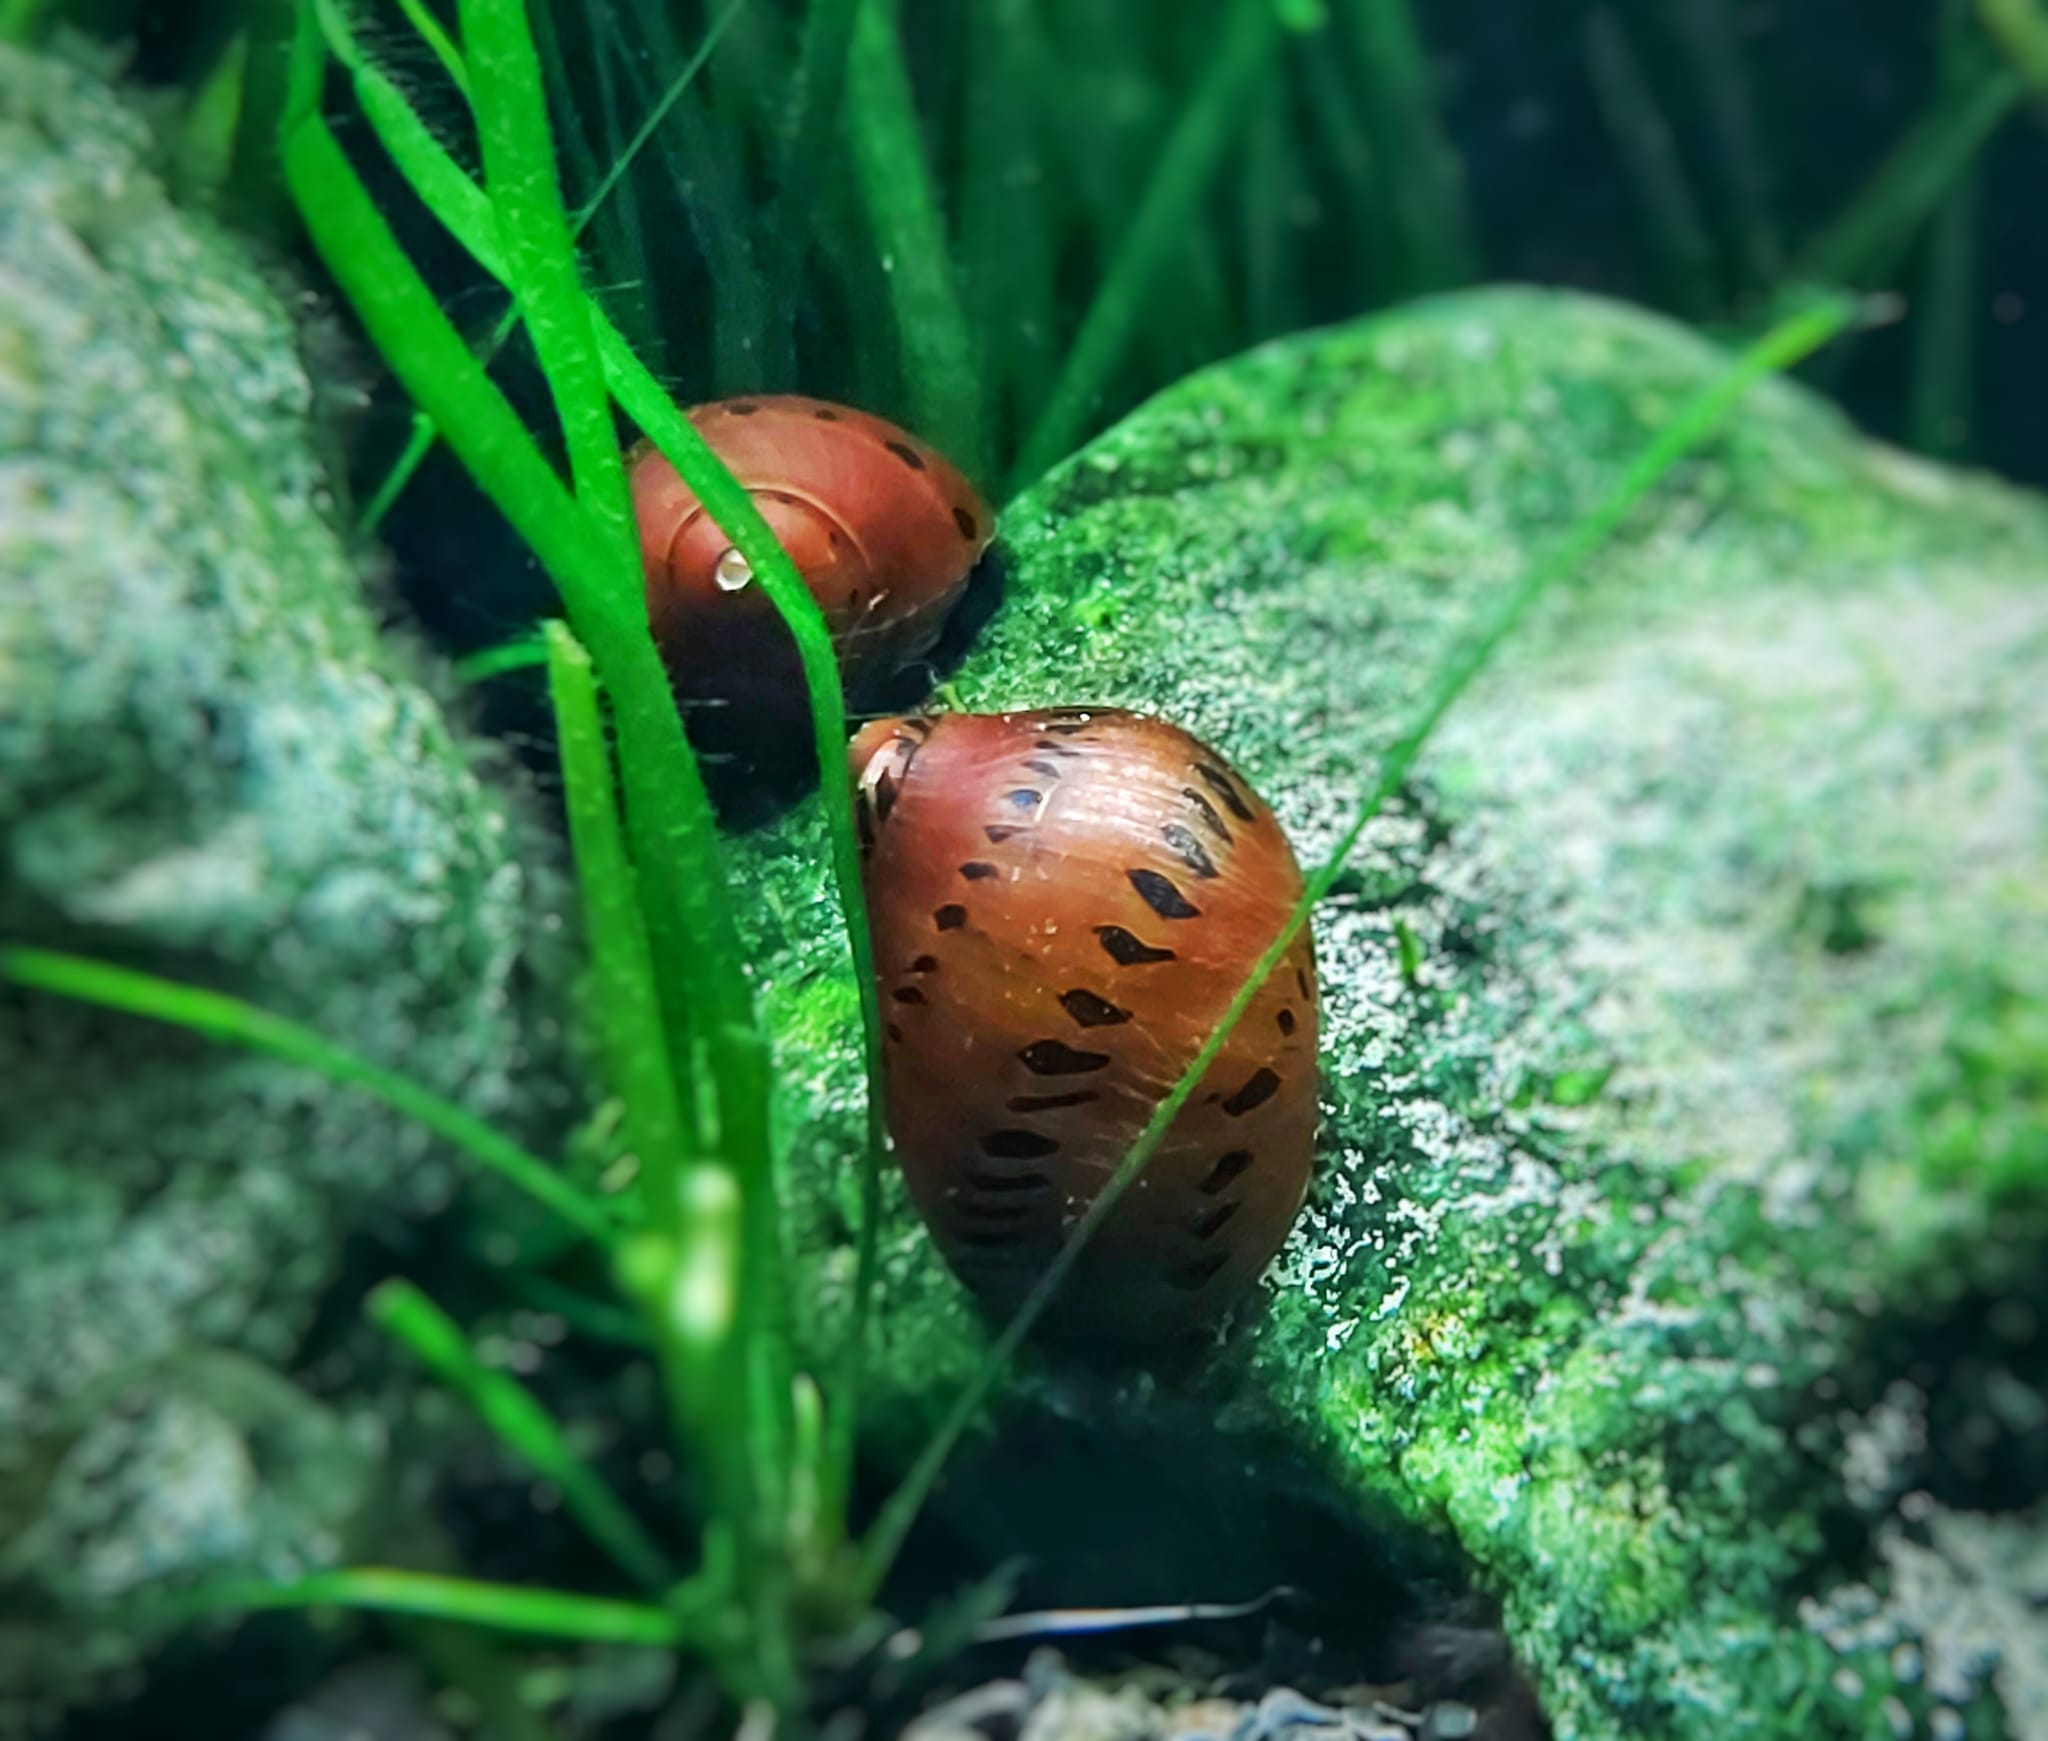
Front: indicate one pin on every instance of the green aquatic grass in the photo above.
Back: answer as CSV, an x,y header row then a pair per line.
x,y
1643,138
902,204
234,1022
510,1411
1193,150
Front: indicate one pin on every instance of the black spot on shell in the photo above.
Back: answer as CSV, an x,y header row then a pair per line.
x,y
907,454
1092,1011
885,794
975,870
1004,1184
970,528
825,415
1190,851
1259,1087
1286,1020
1019,1145
1050,1102
1225,1170
1301,979
1160,894
998,832
1210,1223
907,994
1199,1273
1067,727
743,408
1024,798
1207,812
1128,951
990,1211
1044,765
1057,749
950,917
1057,1058
895,1033
925,964
864,819
1220,783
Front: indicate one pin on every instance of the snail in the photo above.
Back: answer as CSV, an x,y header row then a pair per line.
x,y
883,530
1062,905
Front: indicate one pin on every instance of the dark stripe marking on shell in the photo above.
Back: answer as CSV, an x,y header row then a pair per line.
x,y
1216,825
1162,895
1092,1011
1259,1087
1225,1170
1057,1058
1019,1145
1050,1102
1190,851
1220,783
1199,1273
1129,951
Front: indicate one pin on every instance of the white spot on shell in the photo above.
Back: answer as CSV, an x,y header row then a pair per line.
x,y
733,573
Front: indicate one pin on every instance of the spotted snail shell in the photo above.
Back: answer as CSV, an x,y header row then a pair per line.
x,y
883,530
1063,903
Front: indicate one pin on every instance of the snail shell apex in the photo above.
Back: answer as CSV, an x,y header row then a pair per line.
x,y
1063,903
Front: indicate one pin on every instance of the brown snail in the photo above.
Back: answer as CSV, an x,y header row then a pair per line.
x,y
1063,903
883,530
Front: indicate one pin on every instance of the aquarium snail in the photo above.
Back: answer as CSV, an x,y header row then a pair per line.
x,y
883,530
1062,905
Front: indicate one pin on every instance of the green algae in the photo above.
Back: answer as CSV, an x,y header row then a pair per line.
x,y
1681,1048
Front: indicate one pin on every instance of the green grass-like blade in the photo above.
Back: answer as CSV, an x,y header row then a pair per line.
x,y
425,433
501,1607
626,1003
1425,182
668,813
521,653
499,452
220,1017
1678,237
1863,245
1190,158
2020,28
1709,32
903,210
813,105
510,1411
1794,338
430,31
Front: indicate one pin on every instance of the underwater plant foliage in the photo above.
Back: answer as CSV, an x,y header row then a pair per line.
x,y
668,915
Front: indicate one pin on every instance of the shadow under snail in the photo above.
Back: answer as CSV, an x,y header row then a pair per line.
x,y
883,530
1062,904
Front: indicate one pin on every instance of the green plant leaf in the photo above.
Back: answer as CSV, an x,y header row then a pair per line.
x,y
510,1411
219,1017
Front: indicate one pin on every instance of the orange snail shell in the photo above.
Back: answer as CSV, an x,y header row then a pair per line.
x,y
883,530
1063,903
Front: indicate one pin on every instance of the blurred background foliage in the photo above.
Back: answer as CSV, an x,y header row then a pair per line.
x,y
1006,222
